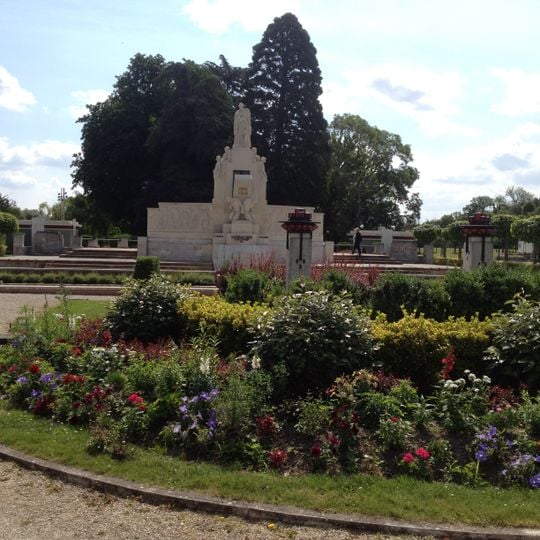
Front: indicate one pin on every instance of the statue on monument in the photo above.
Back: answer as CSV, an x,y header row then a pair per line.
x,y
242,127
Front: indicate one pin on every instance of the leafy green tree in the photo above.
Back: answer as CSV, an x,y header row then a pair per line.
x,y
503,222
483,203
426,234
454,234
369,178
283,89
8,225
154,139
528,230
195,124
233,78
9,205
521,201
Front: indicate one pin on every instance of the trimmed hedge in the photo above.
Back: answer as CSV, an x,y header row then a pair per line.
x,y
414,346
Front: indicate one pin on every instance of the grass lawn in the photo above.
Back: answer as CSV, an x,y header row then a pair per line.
x,y
400,498
90,308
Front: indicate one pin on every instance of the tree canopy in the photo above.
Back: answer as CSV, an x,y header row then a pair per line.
x,y
369,178
283,89
155,138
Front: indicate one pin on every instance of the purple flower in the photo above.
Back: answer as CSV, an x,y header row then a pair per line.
x,y
35,393
21,380
213,394
481,455
184,410
194,399
510,443
537,458
212,423
46,378
488,435
534,482
203,396
177,428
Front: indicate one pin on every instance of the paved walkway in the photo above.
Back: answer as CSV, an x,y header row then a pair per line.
x,y
12,305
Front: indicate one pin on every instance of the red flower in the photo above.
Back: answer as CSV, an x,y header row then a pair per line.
x,y
408,457
448,363
34,368
316,450
70,378
266,426
76,351
422,453
138,401
394,419
333,441
12,368
277,457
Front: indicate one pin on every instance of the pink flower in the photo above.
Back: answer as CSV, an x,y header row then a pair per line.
x,y
316,450
422,453
394,419
277,457
408,457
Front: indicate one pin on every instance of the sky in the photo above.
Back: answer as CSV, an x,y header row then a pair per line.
x,y
458,80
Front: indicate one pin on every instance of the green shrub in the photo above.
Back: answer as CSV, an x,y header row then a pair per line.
x,y
315,337
414,346
515,355
501,283
411,347
146,267
247,285
147,310
229,323
466,292
392,292
338,282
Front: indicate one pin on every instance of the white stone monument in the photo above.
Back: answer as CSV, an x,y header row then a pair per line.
x,y
239,224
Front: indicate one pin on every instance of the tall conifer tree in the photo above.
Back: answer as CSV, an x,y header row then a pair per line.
x,y
283,89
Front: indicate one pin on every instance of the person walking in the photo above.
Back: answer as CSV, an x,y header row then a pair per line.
x,y
357,244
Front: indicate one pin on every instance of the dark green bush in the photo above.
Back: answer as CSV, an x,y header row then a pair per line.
x,y
247,285
394,291
147,310
338,282
145,267
315,337
466,292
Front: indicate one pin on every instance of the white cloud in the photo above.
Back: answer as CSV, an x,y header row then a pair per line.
x,y
217,16
453,179
12,95
430,98
84,98
521,92
45,153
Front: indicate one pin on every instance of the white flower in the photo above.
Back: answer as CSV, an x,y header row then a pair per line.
x,y
255,362
486,379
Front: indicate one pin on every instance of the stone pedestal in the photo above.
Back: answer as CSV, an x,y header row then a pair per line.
x,y
299,260
479,252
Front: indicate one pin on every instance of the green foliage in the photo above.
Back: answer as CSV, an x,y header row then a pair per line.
x,y
283,89
315,336
466,291
394,292
133,153
213,315
369,178
8,223
337,282
426,234
503,222
145,267
147,310
247,285
515,354
528,230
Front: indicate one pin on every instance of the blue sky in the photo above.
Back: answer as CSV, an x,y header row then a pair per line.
x,y
458,80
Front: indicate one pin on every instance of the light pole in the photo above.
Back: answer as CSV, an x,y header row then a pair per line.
x,y
62,196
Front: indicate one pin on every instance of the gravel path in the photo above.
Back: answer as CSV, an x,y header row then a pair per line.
x,y
35,506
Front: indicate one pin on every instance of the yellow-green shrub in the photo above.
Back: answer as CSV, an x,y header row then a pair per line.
x,y
414,346
227,322
469,339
